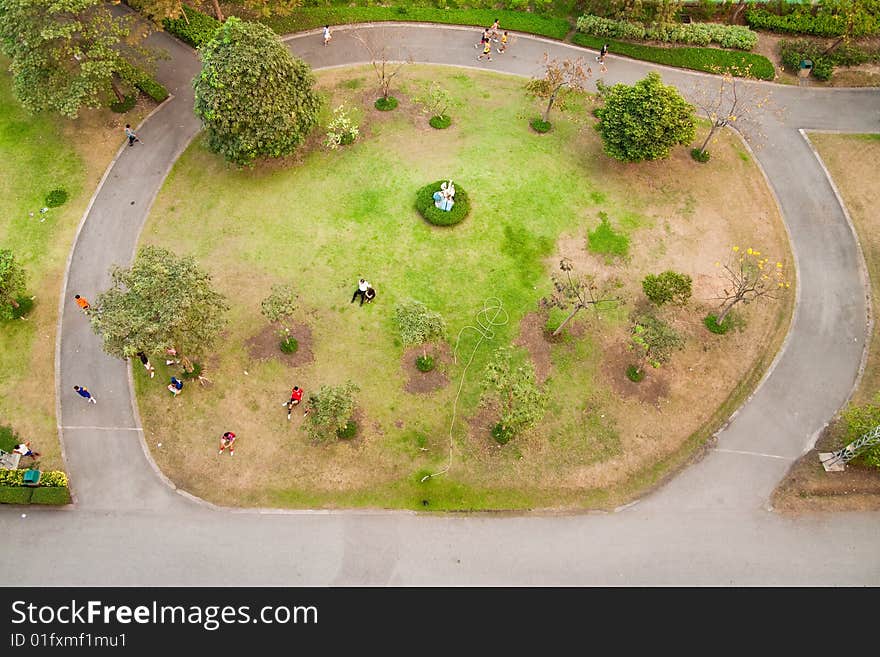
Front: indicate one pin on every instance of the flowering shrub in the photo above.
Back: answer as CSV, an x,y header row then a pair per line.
x,y
341,130
51,479
701,34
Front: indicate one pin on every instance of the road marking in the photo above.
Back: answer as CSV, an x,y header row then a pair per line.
x,y
105,428
737,451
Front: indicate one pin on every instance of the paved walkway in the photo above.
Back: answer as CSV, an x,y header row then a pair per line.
x,y
710,525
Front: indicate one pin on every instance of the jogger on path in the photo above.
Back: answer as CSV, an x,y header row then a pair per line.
x,y
83,392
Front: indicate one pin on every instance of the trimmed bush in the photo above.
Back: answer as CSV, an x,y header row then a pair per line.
x,y
514,18
196,29
802,21
540,125
142,81
440,122
712,60
15,495
667,287
436,216
635,373
386,104
425,363
56,198
700,34
700,156
55,496
348,431
122,106
289,345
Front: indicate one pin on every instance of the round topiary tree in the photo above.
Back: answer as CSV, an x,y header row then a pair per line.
x,y
436,216
645,120
254,98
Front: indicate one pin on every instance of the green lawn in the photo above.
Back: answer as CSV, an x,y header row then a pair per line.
x,y
326,218
35,158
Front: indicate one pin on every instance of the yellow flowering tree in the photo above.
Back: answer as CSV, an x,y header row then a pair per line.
x,y
748,275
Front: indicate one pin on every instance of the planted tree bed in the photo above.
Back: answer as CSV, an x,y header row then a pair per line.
x,y
593,447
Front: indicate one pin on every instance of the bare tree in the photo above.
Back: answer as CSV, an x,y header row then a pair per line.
x,y
748,277
559,75
574,292
384,66
731,101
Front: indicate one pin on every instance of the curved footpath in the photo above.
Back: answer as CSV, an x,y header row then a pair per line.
x,y
709,525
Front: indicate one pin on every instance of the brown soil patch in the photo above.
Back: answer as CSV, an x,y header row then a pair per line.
x,y
533,338
480,427
649,390
264,345
418,382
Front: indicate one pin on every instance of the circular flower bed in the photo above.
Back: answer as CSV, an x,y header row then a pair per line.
x,y
386,104
436,216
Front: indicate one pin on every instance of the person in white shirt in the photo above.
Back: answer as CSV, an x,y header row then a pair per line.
x,y
327,36
361,291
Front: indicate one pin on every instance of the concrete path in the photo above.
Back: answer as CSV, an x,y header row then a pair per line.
x,y
710,525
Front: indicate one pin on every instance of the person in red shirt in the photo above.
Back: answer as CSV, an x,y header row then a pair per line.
x,y
227,440
296,396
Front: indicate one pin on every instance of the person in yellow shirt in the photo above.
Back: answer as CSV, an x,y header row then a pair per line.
x,y
503,46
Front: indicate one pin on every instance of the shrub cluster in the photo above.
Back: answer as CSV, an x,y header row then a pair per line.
x,y
712,60
56,198
195,28
142,81
341,130
667,287
49,479
803,21
792,52
425,205
53,488
700,34
122,106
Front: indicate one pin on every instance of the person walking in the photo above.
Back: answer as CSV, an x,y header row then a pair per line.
x,y
25,450
602,52
487,52
361,291
83,303
327,35
83,392
130,134
175,386
296,396
503,46
146,363
227,440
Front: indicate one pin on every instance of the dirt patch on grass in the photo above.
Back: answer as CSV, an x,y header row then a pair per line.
x,y
265,345
533,337
648,391
420,383
480,427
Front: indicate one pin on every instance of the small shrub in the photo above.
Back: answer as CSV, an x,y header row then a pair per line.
x,y
195,374
56,198
54,479
54,496
440,122
425,363
386,104
330,410
668,287
700,156
436,216
635,373
502,434
711,323
604,240
654,339
289,345
859,420
539,125
348,431
25,306
122,106
341,130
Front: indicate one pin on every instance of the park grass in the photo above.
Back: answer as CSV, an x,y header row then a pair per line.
x,y
39,153
322,219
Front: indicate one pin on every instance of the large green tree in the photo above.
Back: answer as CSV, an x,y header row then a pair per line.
x,y
254,98
63,53
12,283
645,120
162,301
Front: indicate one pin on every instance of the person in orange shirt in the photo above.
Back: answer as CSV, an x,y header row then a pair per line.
x,y
83,303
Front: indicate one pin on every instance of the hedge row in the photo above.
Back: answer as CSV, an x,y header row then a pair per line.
x,y
802,21
142,81
39,495
700,34
196,28
792,52
712,60
312,17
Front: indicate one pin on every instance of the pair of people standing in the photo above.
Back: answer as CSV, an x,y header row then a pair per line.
x,y
365,291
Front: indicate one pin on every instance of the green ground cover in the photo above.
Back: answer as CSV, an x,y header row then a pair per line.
x,y
324,218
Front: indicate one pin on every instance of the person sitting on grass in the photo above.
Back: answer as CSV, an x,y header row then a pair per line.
x,y
369,295
175,386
